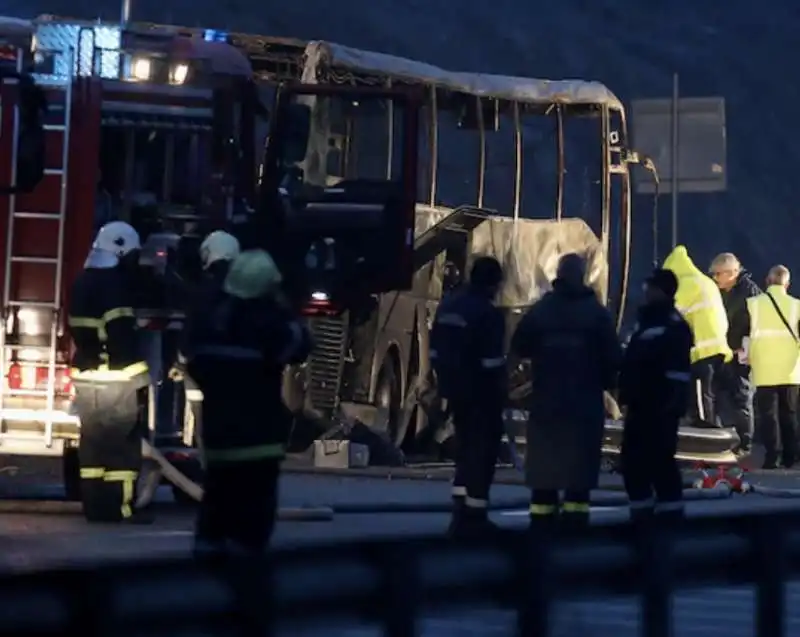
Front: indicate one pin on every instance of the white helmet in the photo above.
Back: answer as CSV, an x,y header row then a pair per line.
x,y
118,238
113,240
218,246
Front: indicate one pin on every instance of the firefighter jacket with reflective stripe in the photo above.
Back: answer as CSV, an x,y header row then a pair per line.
x,y
102,325
700,302
468,347
238,350
774,351
656,374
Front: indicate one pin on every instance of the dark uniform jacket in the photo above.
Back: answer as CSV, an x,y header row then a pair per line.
x,y
102,325
467,348
735,301
570,339
237,351
656,371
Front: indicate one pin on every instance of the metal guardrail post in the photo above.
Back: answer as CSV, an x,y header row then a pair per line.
x,y
768,543
655,566
534,590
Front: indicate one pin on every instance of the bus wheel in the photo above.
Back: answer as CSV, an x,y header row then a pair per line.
x,y
387,401
71,474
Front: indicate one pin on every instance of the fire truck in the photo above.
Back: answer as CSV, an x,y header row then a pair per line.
x,y
157,126
372,362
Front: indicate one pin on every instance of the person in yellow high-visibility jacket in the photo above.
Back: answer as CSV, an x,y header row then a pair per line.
x,y
774,356
700,302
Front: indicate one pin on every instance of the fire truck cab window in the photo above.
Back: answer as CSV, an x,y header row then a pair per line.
x,y
350,143
166,167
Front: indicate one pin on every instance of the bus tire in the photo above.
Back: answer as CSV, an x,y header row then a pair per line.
x,y
387,401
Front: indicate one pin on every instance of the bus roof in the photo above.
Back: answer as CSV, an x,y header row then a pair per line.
x,y
517,89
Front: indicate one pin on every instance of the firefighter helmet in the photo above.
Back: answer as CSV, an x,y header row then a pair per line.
x,y
218,246
253,273
118,238
113,240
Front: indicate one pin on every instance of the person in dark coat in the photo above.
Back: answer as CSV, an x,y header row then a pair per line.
x,y
733,384
468,355
237,349
655,386
572,344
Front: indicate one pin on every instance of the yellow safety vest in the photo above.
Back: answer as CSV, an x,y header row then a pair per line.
x,y
700,302
774,353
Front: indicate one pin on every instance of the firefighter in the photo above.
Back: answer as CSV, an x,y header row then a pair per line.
x,y
217,251
774,356
655,386
108,375
699,301
570,340
238,346
467,354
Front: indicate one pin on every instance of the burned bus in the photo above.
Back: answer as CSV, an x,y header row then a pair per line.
x,y
372,362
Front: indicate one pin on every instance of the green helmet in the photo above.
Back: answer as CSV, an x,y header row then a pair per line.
x,y
252,274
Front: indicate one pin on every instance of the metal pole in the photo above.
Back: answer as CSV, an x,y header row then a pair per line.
x,y
126,13
675,151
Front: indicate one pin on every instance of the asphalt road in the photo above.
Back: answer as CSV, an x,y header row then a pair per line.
x,y
38,540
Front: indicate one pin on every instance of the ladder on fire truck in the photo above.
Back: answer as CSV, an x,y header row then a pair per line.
x,y
54,262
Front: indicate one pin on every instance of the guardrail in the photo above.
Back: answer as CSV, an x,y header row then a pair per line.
x,y
391,582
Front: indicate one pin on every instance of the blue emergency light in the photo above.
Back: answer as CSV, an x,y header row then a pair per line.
x,y
213,35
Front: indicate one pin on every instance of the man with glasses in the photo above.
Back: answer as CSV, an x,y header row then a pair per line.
x,y
733,383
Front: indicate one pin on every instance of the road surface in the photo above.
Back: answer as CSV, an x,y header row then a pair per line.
x,y
32,541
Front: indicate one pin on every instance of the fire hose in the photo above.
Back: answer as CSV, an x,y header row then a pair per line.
x,y
164,468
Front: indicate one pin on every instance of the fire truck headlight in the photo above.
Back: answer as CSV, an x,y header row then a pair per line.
x,y
179,73
140,69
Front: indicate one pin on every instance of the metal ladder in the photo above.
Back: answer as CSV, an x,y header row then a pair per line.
x,y
10,305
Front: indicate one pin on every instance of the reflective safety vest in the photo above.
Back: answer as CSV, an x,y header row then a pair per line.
x,y
699,301
103,373
774,353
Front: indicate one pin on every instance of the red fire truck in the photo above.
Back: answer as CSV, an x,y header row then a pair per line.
x,y
156,126
149,116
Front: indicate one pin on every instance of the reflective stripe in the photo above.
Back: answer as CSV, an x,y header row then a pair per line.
x,y
652,332
575,507
92,473
542,509
647,503
229,351
710,342
451,320
493,363
458,491
683,377
103,374
702,305
100,324
128,480
257,452
194,395
476,503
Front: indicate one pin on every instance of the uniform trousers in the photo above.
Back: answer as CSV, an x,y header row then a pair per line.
x,y
478,438
110,447
239,506
650,472
777,422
